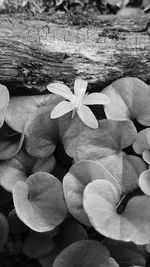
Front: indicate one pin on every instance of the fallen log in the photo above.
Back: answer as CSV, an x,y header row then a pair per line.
x,y
35,51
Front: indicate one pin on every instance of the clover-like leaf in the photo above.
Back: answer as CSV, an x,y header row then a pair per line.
x,y
31,116
32,164
16,226
5,197
105,144
70,137
39,202
42,133
74,182
100,202
111,136
9,146
4,100
142,144
4,230
126,253
68,232
37,245
129,99
21,109
142,141
144,182
87,253
44,164
11,171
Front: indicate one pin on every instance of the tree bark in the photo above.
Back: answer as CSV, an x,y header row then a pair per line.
x,y
101,49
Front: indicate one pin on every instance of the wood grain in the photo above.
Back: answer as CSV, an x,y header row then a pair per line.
x,y
35,51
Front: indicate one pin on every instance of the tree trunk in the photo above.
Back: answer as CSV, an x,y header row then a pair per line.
x,y
37,51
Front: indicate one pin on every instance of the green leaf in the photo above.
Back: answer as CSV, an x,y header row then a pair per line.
x,y
39,202
142,144
144,182
11,171
129,99
37,245
109,138
126,169
80,174
48,245
43,133
4,100
16,226
4,229
69,232
126,253
105,145
9,146
87,253
22,108
5,197
100,203
142,141
70,134
44,165
32,164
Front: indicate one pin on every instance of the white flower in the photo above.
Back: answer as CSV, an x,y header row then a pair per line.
x,y
77,102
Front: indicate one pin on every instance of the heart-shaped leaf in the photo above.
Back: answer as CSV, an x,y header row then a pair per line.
x,y
16,226
142,141
129,99
48,245
44,165
126,169
39,202
69,232
87,253
4,100
70,137
9,146
21,109
11,171
37,245
26,160
110,138
5,197
32,164
142,144
126,253
74,182
4,229
42,132
144,182
105,145
100,203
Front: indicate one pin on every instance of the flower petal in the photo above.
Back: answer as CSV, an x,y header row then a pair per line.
x,y
96,99
80,87
62,108
60,89
87,116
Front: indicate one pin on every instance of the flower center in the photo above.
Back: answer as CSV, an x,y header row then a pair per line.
x,y
77,102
